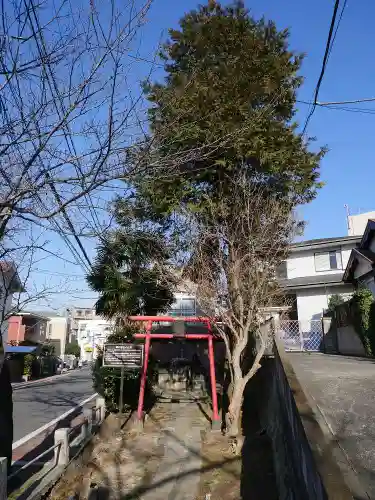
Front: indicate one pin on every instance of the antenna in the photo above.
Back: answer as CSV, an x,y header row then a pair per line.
x,y
346,206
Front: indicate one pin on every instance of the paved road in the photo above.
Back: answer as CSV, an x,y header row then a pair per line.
x,y
38,404
344,390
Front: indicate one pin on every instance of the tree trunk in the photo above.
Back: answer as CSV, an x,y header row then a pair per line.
x,y
233,416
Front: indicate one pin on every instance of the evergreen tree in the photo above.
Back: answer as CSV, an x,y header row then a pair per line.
x,y
227,104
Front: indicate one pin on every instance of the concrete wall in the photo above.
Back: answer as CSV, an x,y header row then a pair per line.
x,y
348,341
312,301
302,263
304,456
295,469
342,340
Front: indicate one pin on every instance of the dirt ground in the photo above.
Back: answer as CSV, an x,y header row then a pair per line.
x,y
220,476
175,457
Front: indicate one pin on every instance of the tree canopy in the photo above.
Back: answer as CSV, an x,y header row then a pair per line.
x,y
232,167
73,348
228,99
130,270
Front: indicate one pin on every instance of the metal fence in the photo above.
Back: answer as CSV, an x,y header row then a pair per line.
x,y
301,335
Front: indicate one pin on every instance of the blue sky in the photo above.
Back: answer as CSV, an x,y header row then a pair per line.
x,y
347,169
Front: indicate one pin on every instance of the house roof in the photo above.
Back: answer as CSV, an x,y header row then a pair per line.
x,y
48,314
323,242
362,252
365,253
368,234
312,281
31,314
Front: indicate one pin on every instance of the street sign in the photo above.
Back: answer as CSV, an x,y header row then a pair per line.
x,y
128,356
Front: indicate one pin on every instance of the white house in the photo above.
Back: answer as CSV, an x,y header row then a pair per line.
x,y
314,271
92,333
360,268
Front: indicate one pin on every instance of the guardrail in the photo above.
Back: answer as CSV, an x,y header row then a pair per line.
x,y
65,446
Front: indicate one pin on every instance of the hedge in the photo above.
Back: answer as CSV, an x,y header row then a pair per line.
x,y
363,314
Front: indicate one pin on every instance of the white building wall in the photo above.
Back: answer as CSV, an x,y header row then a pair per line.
x,y
357,223
345,255
302,263
311,302
92,333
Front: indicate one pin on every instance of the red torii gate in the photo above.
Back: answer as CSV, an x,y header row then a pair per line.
x,y
193,336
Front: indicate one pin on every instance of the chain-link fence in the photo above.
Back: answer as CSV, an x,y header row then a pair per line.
x,y
301,335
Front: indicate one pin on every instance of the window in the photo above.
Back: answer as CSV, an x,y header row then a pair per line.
x,y
184,307
49,329
328,261
83,326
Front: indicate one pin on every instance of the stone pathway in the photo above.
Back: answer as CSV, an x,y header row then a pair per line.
x,y
161,462
177,476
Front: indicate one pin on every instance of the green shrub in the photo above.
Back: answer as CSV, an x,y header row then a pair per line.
x,y
106,380
27,364
334,301
363,313
73,348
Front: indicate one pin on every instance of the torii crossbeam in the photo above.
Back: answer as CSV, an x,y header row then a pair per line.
x,y
148,336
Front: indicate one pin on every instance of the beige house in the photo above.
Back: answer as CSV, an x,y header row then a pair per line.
x,y
56,330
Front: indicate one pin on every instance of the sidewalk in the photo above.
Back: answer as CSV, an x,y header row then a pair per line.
x,y
21,385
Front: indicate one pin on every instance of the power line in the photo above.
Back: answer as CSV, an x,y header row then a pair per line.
x,y
324,64
364,111
354,101
337,28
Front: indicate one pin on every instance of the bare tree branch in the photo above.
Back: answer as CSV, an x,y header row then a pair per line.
x,y
237,243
